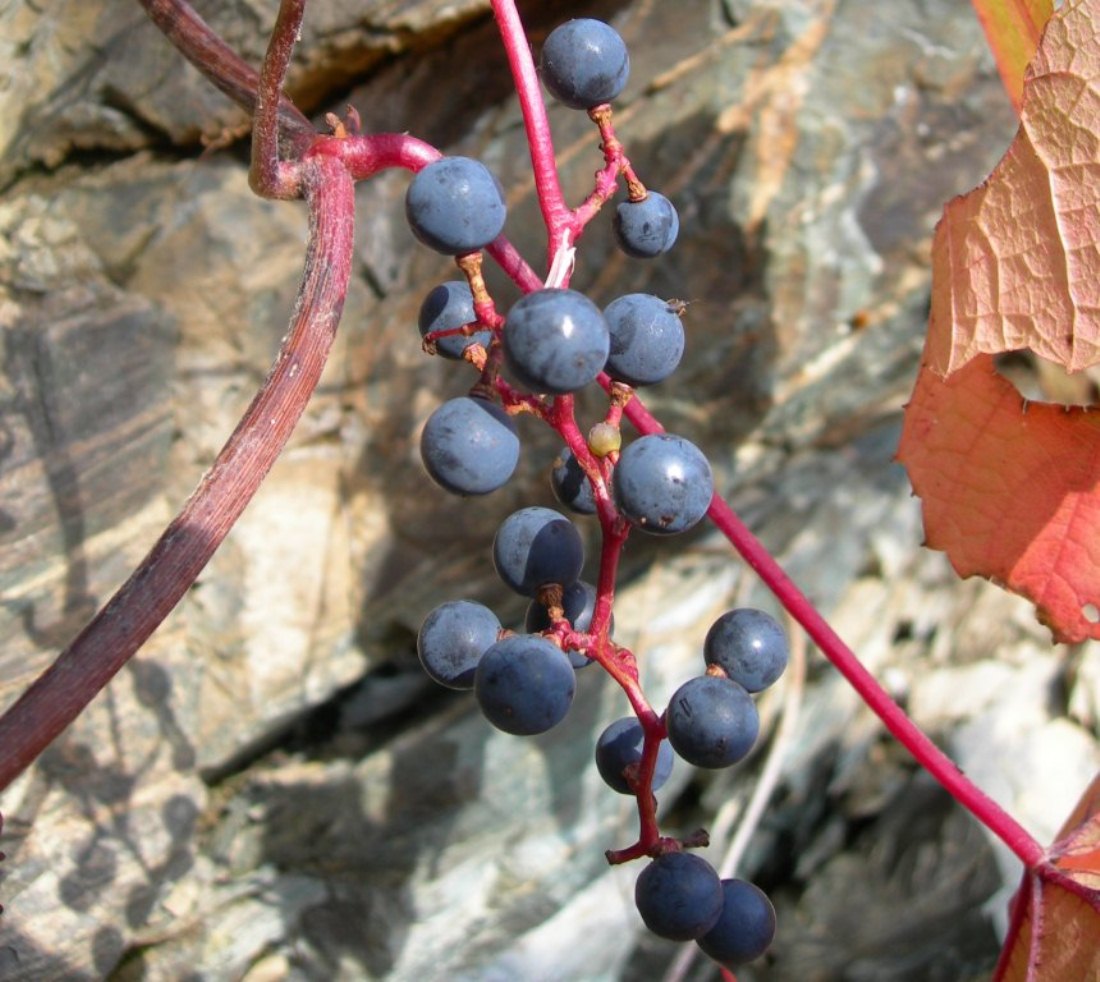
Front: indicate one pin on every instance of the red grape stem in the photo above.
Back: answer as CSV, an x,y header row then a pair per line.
x,y
927,754
555,212
563,225
896,720
267,176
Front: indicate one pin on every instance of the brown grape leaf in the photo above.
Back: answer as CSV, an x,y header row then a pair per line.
x,y
1054,935
1011,489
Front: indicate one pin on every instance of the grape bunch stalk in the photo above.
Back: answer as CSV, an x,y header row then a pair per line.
x,y
530,360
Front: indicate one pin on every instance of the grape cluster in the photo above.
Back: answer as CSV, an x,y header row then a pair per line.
x,y
552,343
681,897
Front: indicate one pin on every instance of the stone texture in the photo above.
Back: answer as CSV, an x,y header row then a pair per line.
x,y
272,790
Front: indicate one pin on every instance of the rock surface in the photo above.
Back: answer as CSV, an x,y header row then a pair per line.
x,y
271,789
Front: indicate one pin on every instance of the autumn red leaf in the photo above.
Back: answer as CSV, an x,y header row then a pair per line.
x,y
1012,29
1054,934
1010,489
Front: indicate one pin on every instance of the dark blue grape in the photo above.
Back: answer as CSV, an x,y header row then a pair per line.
x,y
535,547
620,746
746,927
524,684
712,722
663,484
679,896
645,229
452,640
571,485
749,646
469,446
555,341
647,339
451,305
584,63
454,205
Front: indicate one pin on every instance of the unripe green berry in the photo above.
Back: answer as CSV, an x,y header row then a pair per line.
x,y
604,439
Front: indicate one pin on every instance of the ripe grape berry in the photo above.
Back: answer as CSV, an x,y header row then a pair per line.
x,y
620,746
452,640
746,927
469,446
524,684
455,205
449,306
679,896
647,339
663,483
749,646
555,341
535,547
571,485
647,228
584,63
712,722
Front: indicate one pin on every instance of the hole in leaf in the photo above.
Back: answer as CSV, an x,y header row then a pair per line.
x,y
1040,380
1091,613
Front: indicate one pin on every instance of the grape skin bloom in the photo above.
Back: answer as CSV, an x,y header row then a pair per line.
x,y
556,341
746,927
749,646
679,896
663,484
584,63
712,722
452,640
455,206
524,685
647,339
621,745
536,547
469,446
645,229
571,485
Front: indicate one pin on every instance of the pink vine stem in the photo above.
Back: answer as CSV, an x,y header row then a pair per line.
x,y
930,757
934,760
555,212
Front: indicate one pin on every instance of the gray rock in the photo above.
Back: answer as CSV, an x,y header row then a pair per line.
x,y
270,790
